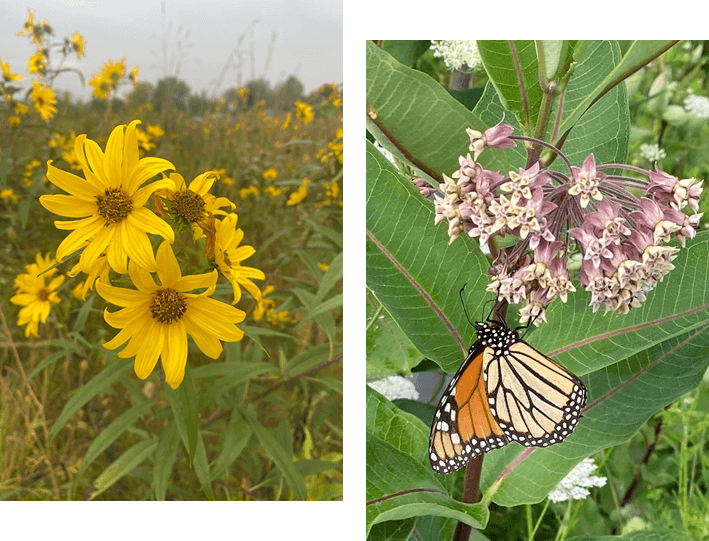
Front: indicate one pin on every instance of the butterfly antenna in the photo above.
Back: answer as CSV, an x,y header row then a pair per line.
x,y
465,308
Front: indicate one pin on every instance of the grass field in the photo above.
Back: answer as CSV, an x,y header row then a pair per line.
x,y
261,421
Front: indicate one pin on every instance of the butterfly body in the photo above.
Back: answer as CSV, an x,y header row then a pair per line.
x,y
504,391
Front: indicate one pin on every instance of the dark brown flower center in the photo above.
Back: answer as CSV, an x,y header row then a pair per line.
x,y
188,205
168,306
114,205
43,294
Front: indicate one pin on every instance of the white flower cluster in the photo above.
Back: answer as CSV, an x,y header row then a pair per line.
x,y
456,53
395,387
572,486
652,152
697,106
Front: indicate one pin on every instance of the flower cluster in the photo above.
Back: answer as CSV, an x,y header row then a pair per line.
x,y
457,54
621,225
43,96
107,80
111,233
574,485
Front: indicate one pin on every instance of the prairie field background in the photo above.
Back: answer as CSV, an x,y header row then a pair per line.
x,y
261,422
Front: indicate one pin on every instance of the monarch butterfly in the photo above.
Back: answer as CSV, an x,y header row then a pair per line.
x,y
504,391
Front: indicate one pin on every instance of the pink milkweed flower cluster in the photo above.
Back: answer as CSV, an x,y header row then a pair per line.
x,y
621,225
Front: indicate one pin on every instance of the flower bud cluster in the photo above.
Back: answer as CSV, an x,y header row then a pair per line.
x,y
621,225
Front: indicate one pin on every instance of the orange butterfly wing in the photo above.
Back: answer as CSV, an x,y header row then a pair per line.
x,y
504,391
463,426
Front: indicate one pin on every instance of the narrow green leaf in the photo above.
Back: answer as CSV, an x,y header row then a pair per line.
x,y
54,357
332,277
309,358
281,458
231,377
100,383
83,314
132,458
323,307
333,236
184,404
202,468
165,459
112,432
236,437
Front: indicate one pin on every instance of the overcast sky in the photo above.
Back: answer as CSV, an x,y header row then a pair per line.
x,y
308,42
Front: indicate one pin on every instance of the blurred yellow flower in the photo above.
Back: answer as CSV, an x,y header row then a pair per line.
x,y
154,130
8,194
144,140
98,269
267,307
133,76
304,112
323,266
270,174
245,192
100,86
108,78
21,108
7,74
298,195
272,191
44,99
34,295
37,63
14,121
243,93
286,122
155,320
79,45
28,28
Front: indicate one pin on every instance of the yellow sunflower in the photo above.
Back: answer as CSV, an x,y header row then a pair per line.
x,y
155,320
7,74
110,202
229,255
193,204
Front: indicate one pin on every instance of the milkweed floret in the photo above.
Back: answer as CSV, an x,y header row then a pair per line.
x,y
622,237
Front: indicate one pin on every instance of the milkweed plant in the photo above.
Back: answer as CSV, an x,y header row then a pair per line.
x,y
580,167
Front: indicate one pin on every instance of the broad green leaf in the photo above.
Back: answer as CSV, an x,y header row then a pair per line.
x,y
393,530
406,51
389,350
648,535
551,54
638,55
513,68
413,270
400,483
603,130
415,118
